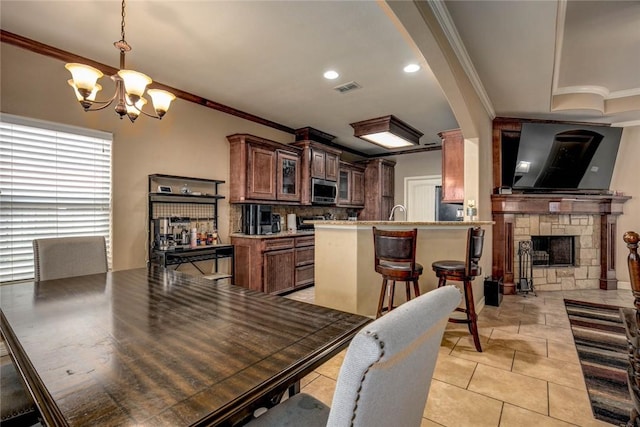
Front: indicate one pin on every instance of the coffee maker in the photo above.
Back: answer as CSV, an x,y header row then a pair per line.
x,y
163,237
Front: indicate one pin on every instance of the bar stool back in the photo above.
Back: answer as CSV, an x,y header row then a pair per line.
x,y
465,271
395,260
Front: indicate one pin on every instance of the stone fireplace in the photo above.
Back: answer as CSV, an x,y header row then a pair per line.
x,y
589,219
565,250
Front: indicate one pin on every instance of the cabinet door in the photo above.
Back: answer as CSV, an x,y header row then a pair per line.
x,y
452,167
288,182
279,270
344,183
261,174
331,167
387,180
318,166
357,188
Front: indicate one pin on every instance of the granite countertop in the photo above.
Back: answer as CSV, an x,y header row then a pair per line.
x,y
298,233
404,223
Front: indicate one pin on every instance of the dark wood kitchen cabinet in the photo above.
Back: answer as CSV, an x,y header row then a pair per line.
x,y
351,185
274,264
264,170
318,161
379,190
452,166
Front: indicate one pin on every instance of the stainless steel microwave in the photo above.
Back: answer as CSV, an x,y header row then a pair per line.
x,y
323,192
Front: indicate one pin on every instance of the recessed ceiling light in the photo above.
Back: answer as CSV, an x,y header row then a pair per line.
x,y
331,75
411,68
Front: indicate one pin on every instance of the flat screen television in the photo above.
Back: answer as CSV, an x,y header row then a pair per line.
x,y
560,157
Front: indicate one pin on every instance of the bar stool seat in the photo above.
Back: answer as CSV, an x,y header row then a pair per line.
x,y
395,260
465,271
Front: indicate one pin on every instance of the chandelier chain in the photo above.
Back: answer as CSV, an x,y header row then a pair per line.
x,y
122,24
122,44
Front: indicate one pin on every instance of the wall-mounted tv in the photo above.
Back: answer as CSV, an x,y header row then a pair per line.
x,y
560,157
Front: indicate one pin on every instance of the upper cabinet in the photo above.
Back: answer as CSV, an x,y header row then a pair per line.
x,y
263,170
324,164
379,190
318,161
452,166
351,185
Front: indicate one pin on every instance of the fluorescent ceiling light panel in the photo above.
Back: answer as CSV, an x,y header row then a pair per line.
x,y
387,139
388,132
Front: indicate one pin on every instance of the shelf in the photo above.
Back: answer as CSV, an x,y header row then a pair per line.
x,y
184,178
183,198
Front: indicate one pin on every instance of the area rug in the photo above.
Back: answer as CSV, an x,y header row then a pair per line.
x,y
602,348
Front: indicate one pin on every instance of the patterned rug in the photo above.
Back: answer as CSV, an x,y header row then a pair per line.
x,y
602,348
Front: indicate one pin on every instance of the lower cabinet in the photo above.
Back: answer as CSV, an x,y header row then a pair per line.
x,y
274,264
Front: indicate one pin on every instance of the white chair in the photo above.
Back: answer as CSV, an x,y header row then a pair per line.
x,y
60,257
386,373
53,258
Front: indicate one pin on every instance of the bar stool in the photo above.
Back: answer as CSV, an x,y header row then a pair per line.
x,y
395,260
465,271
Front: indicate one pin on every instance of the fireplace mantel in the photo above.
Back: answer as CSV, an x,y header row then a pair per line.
x,y
505,207
545,204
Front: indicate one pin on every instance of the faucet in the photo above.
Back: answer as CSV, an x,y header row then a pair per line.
x,y
393,210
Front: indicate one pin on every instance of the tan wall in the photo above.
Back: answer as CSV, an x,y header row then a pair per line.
x,y
189,141
626,179
419,164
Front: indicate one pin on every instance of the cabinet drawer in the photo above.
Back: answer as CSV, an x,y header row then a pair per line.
x,y
305,256
276,244
304,275
305,241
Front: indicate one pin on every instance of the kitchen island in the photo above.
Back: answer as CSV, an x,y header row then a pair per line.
x,y
345,278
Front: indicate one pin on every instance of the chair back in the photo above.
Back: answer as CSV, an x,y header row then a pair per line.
x,y
631,238
395,246
475,243
387,370
60,257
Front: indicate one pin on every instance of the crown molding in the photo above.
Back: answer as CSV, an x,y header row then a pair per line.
x,y
448,27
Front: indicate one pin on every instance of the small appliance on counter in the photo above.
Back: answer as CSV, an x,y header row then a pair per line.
x,y
275,223
302,225
257,219
292,222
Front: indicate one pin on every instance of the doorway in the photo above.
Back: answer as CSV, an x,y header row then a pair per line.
x,y
420,197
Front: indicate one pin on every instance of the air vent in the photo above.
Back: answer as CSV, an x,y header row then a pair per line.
x,y
347,87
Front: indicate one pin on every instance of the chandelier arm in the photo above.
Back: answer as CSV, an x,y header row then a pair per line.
x,y
147,114
103,105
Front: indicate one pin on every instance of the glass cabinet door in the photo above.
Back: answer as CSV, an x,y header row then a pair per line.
x,y
343,186
288,184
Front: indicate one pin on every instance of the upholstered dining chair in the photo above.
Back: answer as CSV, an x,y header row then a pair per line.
x,y
387,370
60,257
53,258
17,408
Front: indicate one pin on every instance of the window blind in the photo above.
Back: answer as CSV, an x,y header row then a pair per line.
x,y
55,181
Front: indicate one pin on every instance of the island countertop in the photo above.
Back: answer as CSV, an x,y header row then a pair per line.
x,y
418,224
345,278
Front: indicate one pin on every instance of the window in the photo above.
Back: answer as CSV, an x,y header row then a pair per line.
x,y
55,181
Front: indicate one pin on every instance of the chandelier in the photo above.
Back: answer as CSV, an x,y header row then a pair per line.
x,y
130,87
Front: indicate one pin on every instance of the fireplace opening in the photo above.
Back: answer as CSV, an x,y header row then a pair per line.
x,y
553,251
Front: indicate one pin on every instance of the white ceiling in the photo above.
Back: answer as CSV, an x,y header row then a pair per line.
x,y
267,57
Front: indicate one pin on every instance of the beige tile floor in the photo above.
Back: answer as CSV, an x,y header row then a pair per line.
x,y
528,374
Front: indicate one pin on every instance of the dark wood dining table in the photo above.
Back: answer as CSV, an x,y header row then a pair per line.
x,y
155,347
